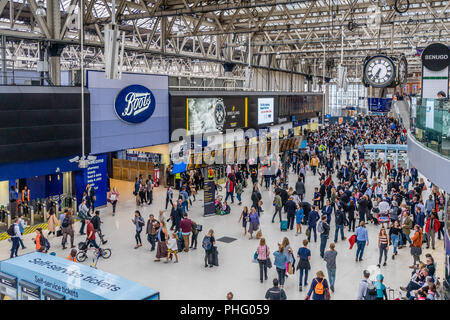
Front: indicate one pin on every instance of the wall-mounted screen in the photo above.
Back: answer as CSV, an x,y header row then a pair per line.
x,y
265,110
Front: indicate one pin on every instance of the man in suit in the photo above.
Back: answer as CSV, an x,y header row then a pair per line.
x,y
327,210
291,209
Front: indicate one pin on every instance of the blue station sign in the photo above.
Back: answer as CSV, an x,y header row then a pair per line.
x,y
134,104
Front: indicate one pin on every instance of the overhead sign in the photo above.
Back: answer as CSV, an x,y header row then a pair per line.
x,y
436,57
265,110
134,104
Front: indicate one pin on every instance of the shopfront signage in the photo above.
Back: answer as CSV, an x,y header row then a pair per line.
x,y
134,104
436,57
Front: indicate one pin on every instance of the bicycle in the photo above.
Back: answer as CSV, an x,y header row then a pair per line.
x,y
84,248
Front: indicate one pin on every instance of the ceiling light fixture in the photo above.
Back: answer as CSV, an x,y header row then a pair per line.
x,y
41,11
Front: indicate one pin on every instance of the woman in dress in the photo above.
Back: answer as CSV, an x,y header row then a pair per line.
x,y
254,222
52,222
113,198
244,217
162,237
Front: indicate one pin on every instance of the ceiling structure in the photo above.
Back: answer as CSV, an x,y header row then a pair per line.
x,y
196,37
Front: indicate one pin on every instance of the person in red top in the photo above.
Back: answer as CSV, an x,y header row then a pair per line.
x,y
186,228
229,189
90,232
431,228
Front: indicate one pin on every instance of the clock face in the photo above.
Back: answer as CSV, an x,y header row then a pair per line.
x,y
219,113
379,71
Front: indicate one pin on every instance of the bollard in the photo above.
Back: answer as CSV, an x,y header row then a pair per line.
x,y
8,222
45,211
31,216
74,204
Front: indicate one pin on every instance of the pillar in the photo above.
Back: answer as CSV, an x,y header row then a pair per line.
x,y
54,25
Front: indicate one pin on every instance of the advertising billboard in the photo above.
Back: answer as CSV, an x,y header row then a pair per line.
x,y
215,114
128,113
265,110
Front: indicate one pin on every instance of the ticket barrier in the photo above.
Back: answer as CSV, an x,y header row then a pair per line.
x,y
8,287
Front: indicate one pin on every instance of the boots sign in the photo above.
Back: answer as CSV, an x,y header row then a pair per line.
x,y
134,104
436,57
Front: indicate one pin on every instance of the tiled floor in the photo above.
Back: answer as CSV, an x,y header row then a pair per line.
x,y
189,279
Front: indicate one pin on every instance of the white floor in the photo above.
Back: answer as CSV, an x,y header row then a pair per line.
x,y
189,279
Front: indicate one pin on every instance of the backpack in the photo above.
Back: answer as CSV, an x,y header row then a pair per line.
x,y
371,292
320,227
65,223
206,243
46,244
319,287
11,231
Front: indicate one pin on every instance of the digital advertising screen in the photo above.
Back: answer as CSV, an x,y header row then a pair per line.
x,y
265,110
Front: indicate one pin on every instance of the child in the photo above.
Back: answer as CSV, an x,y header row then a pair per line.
x,y
299,218
173,247
244,217
226,208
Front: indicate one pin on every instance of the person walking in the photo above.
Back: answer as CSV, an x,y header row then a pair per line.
x,y
299,218
14,233
324,230
278,206
407,224
319,288
253,218
280,262
416,247
195,231
229,187
263,254
139,222
22,226
363,293
239,189
431,228
244,218
330,258
162,237
169,196
40,241
68,229
313,217
275,293
300,188
362,239
395,234
97,223
52,223
383,246
291,209
186,228
114,198
304,255
351,216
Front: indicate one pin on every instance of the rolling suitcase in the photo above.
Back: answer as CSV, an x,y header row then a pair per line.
x,y
284,222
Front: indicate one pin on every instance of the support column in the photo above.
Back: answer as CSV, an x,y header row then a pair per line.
x,y
54,25
4,72
163,34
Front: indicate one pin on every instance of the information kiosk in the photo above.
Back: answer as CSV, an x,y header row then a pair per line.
x,y
39,276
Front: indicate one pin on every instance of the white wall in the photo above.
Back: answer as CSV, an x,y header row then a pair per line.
x,y
4,193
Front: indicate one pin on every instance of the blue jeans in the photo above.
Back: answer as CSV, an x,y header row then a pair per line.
x,y
331,276
238,196
323,243
311,229
301,277
21,243
83,223
360,250
339,227
406,185
15,247
408,238
395,241
230,194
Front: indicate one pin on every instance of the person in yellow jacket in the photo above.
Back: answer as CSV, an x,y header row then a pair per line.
x,y
177,181
314,163
211,173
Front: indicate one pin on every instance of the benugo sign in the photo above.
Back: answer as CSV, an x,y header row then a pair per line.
x,y
436,57
134,104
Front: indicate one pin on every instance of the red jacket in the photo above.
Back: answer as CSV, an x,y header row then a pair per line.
x,y
352,241
229,184
436,225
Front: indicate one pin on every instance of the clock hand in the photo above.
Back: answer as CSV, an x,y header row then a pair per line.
x,y
378,73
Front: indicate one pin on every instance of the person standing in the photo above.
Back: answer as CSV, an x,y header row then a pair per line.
x,y
208,244
162,237
362,239
176,215
406,226
83,214
395,234
263,254
327,210
13,196
14,233
299,218
68,229
431,228
339,221
291,209
186,228
52,223
300,188
304,255
324,230
351,216
244,217
151,231
150,186
319,288
416,247
139,222
239,189
362,291
278,206
195,231
330,258
280,262
229,187
383,246
169,196
22,226
253,219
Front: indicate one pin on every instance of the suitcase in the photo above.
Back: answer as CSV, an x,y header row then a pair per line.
x,y
284,225
213,257
180,244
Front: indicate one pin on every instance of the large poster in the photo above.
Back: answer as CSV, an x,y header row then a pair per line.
x,y
265,110
215,114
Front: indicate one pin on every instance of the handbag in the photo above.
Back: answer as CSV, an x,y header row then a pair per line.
x,y
290,269
259,234
308,232
269,263
59,233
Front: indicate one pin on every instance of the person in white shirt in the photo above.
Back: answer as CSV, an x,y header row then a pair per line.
x,y
15,238
173,248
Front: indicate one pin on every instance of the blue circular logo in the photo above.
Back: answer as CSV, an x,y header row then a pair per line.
x,y
134,104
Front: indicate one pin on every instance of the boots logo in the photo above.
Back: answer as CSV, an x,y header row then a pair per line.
x,y
134,104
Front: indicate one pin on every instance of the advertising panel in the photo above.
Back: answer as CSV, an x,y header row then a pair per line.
x,y
265,110
209,198
215,114
129,113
